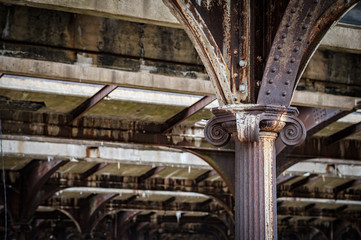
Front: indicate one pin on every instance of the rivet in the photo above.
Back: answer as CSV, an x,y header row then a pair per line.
x,y
235,52
297,49
270,81
304,26
293,10
242,88
279,46
243,38
287,82
289,71
268,92
235,75
273,69
276,57
300,38
284,94
288,24
316,1
309,14
242,63
293,60
284,35
347,1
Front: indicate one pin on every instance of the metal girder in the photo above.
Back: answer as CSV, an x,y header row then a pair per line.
x,y
314,120
97,167
218,42
346,185
353,129
80,110
87,215
187,112
150,173
304,181
302,27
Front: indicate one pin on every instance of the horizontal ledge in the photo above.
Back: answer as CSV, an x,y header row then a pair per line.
x,y
139,80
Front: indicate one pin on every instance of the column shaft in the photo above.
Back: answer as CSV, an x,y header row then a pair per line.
x,y
256,214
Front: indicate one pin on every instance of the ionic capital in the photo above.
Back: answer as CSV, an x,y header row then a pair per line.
x,y
245,122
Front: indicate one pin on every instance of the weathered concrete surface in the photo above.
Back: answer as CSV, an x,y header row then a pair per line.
x,y
132,103
90,74
87,74
154,12
89,40
149,11
343,38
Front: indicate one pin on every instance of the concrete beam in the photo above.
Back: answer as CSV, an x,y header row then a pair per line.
x,y
83,90
155,12
101,152
327,167
145,11
89,74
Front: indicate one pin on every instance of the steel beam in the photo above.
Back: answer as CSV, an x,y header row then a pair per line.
x,y
353,129
97,167
187,112
304,181
346,185
80,110
150,173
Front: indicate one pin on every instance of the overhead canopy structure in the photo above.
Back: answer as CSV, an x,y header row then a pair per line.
x,y
103,108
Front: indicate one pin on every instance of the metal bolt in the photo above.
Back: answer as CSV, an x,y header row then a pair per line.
x,y
288,24
243,38
270,81
242,88
300,38
293,10
289,71
279,46
273,69
242,63
287,82
276,57
316,1
304,26
268,92
293,60
347,1
309,14
284,35
297,49
284,94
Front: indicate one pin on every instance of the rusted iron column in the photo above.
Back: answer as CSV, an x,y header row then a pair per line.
x,y
256,187
255,129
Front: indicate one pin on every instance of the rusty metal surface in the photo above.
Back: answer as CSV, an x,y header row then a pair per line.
x,y
256,189
303,25
80,110
314,120
222,43
187,112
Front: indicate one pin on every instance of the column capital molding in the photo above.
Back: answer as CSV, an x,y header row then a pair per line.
x,y
246,121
